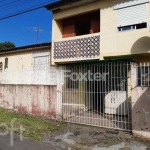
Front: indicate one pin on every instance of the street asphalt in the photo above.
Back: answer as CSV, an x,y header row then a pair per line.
x,y
26,144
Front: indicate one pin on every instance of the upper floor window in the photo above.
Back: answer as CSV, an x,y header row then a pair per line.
x,y
132,27
1,66
81,24
132,17
6,63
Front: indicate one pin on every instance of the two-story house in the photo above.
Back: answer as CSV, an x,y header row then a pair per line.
x,y
94,43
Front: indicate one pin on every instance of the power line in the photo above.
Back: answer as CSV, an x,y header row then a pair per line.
x,y
9,3
27,10
19,4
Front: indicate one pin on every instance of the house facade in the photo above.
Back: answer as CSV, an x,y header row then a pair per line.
x,y
27,80
96,71
104,44
120,30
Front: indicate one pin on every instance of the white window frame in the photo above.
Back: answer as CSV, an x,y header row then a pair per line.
x,y
130,3
48,63
41,54
116,7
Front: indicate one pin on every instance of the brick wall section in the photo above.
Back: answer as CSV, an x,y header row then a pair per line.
x,y
95,25
38,100
68,29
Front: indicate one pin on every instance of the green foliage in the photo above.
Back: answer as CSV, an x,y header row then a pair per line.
x,y
6,45
35,128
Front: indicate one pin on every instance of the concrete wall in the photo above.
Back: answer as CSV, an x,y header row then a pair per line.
x,y
38,77
26,90
140,106
21,68
112,42
29,99
22,59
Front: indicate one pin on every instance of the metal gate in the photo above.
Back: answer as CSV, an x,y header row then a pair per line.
x,y
96,94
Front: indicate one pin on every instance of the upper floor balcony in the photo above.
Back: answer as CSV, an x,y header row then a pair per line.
x,y
76,48
76,37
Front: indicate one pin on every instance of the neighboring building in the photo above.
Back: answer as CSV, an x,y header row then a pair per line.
x,y
104,37
27,81
20,65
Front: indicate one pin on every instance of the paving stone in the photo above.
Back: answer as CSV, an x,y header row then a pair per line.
x,y
99,137
125,148
97,134
89,137
77,133
58,140
112,132
107,136
66,130
125,136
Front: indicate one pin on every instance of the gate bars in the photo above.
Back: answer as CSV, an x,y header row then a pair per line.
x,y
143,75
97,94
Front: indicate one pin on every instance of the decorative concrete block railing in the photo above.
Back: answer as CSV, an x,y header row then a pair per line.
x,y
76,48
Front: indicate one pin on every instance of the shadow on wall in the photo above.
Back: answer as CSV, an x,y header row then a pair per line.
x,y
141,109
142,45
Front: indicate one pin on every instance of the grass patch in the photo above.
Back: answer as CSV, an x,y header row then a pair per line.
x,y
34,127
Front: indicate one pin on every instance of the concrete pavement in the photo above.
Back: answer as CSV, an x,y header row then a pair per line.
x,y
78,137
26,144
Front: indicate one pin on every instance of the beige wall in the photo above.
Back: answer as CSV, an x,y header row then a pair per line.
x,y
112,42
21,68
140,106
18,60
21,60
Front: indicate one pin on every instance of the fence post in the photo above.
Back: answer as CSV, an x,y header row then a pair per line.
x,y
133,90
59,94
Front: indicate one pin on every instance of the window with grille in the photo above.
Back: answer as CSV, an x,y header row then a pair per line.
x,y
1,66
144,76
6,63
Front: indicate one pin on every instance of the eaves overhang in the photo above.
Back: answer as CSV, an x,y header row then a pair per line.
x,y
67,4
105,61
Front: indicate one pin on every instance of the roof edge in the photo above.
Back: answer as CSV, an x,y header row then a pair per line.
x,y
24,47
60,3
105,61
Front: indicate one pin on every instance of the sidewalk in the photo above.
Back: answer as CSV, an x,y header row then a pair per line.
x,y
87,137
26,144
75,137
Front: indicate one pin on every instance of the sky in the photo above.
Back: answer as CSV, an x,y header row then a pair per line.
x,y
22,29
